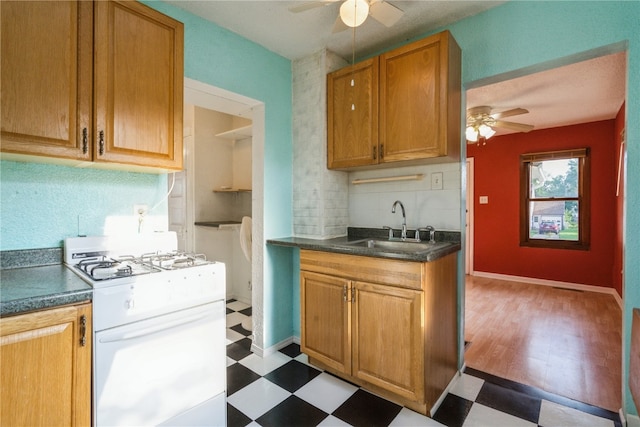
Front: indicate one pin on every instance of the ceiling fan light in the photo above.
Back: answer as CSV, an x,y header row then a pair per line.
x,y
485,131
354,12
472,134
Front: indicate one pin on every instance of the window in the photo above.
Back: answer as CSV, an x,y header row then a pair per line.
x,y
554,199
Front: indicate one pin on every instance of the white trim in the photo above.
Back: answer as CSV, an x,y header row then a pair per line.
x,y
446,391
554,283
470,202
266,352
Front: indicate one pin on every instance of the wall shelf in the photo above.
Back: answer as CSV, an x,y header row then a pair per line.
x,y
231,190
238,133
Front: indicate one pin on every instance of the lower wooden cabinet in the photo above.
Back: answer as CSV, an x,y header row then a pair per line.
x,y
387,325
46,368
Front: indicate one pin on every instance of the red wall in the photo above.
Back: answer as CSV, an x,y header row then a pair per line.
x,y
496,175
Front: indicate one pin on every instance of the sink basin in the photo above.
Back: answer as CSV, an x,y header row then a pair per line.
x,y
396,246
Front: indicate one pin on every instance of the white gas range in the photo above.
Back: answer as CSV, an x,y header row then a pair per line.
x,y
159,330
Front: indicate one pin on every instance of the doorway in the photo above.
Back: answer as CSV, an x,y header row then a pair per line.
x,y
182,208
491,277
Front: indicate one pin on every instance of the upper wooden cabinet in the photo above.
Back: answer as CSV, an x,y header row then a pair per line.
x,y
406,107
92,81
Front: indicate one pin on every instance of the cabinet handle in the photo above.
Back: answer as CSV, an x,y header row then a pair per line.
x,y
344,293
101,143
83,330
85,143
375,155
353,295
381,151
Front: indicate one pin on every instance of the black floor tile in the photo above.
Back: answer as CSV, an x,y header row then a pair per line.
x,y
246,311
509,401
239,349
292,375
453,411
239,377
239,329
367,410
229,311
293,411
292,350
229,301
236,418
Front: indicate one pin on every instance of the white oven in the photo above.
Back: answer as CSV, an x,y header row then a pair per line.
x,y
159,335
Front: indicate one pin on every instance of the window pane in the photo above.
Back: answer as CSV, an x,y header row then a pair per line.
x,y
553,178
557,220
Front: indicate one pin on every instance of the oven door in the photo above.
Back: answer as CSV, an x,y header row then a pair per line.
x,y
157,369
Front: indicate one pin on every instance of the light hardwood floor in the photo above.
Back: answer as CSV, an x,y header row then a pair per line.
x,y
563,341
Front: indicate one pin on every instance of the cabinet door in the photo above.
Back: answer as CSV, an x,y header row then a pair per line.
x,y
46,78
325,320
388,343
46,372
138,86
352,116
413,101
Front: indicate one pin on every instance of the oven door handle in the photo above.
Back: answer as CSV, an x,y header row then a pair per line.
x,y
150,330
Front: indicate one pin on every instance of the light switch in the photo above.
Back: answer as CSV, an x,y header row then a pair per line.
x,y
484,200
436,181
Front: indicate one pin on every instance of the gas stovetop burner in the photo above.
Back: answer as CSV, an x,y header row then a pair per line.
x,y
174,260
105,268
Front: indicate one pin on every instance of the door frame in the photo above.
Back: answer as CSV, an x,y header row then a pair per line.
x,y
468,253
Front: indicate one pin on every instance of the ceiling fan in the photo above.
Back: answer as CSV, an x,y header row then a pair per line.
x,y
481,122
380,10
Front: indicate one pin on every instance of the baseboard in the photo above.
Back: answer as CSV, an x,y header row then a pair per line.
x,y
553,283
444,394
631,420
266,352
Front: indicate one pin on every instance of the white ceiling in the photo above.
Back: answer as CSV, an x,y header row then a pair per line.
x,y
578,93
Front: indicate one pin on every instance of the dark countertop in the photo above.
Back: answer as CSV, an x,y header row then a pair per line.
x,y
39,287
446,243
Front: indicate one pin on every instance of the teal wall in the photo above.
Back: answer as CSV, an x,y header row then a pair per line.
x,y
41,205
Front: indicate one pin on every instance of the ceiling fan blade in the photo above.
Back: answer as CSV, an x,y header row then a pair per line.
x,y
509,113
520,127
304,6
385,13
339,25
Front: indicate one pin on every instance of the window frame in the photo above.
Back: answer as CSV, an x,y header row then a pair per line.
x,y
583,198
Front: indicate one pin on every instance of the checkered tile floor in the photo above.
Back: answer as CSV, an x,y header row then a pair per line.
x,y
284,390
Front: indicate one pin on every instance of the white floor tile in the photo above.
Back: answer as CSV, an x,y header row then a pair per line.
x,y
257,398
332,421
233,336
483,416
262,366
467,387
303,358
237,305
409,418
230,361
326,392
554,415
234,319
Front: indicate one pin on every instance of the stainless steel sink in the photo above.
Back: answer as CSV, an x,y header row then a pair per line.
x,y
395,246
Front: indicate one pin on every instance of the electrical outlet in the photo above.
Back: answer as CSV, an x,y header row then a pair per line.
x,y
140,210
436,181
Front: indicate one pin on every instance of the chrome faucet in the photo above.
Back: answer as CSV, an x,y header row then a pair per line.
x,y
403,234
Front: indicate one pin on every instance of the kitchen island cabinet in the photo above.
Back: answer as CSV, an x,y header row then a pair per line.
x,y
386,325
46,367
403,106
111,94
